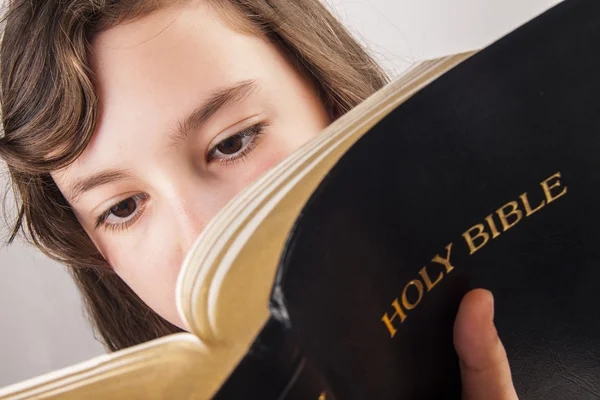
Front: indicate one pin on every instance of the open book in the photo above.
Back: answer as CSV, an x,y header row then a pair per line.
x,y
338,273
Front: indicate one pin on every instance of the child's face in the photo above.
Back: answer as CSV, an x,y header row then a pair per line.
x,y
161,162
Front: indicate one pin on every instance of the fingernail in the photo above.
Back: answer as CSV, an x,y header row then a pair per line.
x,y
491,305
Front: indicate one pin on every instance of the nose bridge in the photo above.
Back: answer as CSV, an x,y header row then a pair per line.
x,y
189,216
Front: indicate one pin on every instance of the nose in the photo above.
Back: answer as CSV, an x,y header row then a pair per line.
x,y
189,222
187,214
192,201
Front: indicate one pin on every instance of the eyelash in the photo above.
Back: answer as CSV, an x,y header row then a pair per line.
x,y
140,200
253,132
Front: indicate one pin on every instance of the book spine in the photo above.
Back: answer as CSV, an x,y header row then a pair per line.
x,y
275,368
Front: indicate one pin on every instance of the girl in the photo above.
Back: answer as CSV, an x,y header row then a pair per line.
x,y
129,124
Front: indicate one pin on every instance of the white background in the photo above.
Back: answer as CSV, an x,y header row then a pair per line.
x,y
42,326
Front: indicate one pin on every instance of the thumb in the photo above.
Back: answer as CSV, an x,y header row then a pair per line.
x,y
484,367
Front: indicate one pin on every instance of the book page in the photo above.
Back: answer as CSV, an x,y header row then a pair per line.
x,y
226,280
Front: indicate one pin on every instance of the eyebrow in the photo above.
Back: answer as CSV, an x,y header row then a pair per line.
x,y
80,186
220,98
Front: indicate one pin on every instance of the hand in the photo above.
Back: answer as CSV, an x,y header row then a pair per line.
x,y
484,366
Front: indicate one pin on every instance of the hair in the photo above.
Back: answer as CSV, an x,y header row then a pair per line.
x,y
48,107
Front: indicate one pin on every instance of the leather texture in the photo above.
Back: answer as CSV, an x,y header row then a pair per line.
x,y
488,131
481,136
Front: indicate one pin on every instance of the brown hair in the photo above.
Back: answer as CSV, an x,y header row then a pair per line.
x,y
49,110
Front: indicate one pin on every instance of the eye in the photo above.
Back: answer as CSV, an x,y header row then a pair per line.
x,y
236,146
124,209
232,145
124,213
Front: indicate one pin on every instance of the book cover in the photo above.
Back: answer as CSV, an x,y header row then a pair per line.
x,y
488,177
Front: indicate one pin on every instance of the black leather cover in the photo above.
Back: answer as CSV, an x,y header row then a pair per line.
x,y
489,131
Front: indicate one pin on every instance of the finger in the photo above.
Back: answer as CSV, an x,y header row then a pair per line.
x,y
484,367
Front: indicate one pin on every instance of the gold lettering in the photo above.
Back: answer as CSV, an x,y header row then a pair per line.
x,y
417,284
427,280
528,210
388,320
476,237
492,224
470,238
444,261
547,188
514,206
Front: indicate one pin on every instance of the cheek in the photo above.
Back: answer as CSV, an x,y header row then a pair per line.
x,y
150,269
269,159
273,158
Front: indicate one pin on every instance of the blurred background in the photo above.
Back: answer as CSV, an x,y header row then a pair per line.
x,y
42,324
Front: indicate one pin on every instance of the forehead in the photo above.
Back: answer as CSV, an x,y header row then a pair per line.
x,y
164,49
150,72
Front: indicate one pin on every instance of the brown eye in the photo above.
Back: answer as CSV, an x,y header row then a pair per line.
x,y
230,145
236,146
124,213
124,209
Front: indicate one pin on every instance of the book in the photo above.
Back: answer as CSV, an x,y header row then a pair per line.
x,y
339,272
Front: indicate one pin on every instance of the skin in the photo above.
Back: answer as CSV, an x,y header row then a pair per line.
x,y
166,185
484,367
151,74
